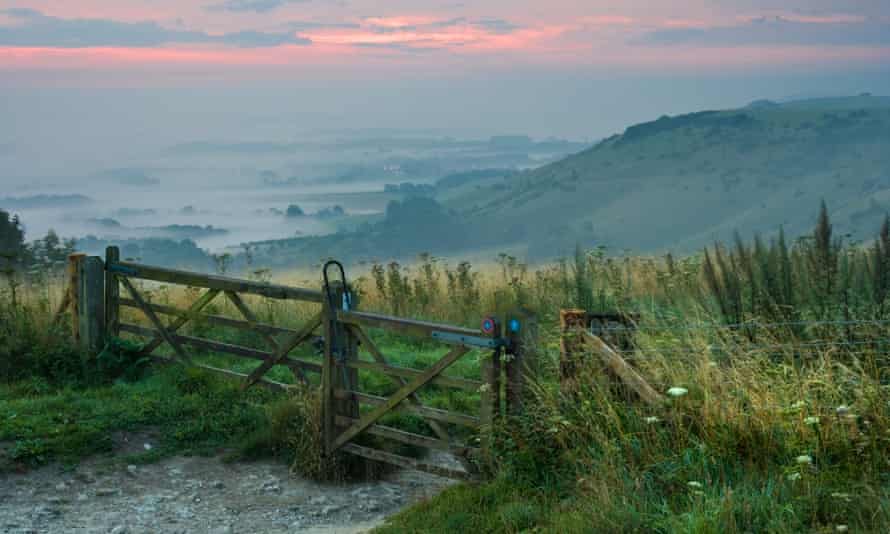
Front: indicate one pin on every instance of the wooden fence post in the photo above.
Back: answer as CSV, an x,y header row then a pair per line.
x,y
91,303
341,345
112,294
345,378
73,297
570,345
491,392
522,365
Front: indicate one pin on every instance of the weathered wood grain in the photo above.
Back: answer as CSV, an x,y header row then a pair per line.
x,y
220,283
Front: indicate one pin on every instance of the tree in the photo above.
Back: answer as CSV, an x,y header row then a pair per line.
x,y
12,237
294,211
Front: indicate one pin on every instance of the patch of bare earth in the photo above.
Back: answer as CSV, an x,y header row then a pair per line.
x,y
197,495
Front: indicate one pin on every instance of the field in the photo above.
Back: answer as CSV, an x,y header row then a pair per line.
x,y
772,357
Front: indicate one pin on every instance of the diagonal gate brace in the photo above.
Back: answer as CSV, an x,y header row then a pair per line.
x,y
402,394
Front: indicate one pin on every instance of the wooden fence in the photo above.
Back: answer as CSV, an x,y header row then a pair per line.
x,y
100,290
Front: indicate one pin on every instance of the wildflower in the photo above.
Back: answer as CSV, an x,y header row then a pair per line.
x,y
842,410
677,391
842,496
804,459
652,420
811,420
694,484
793,476
798,405
841,528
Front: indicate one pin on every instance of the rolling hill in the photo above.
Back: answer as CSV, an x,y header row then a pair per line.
x,y
679,183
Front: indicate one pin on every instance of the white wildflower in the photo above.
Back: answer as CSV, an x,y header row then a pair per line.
x,y
677,391
652,419
811,420
794,476
798,405
841,528
694,484
804,459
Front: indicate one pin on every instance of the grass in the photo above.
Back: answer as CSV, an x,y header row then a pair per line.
x,y
780,429
190,411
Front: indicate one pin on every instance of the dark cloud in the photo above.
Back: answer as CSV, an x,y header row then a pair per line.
x,y
36,29
777,31
255,6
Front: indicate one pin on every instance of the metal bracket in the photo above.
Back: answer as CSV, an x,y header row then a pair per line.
x,y
470,341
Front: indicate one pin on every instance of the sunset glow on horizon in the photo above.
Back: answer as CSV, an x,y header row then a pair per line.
x,y
107,37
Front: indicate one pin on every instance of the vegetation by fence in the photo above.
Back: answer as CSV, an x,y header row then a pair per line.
x,y
108,299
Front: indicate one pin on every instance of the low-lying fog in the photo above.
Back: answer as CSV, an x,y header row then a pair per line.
x,y
132,168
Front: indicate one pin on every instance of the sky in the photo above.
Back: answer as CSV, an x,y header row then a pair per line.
x,y
570,68
141,43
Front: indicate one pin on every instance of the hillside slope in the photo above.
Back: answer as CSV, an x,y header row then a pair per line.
x,y
681,182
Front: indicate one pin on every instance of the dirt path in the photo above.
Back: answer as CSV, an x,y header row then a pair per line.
x,y
196,495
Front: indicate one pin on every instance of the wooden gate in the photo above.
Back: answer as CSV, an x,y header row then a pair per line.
x,y
350,413
280,341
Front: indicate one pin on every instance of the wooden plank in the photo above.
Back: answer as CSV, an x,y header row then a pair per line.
x,y
491,394
225,348
112,294
160,329
216,320
411,327
399,381
404,372
408,438
521,363
570,323
73,272
405,462
623,370
327,380
283,349
190,314
443,416
270,384
370,418
91,304
220,283
252,320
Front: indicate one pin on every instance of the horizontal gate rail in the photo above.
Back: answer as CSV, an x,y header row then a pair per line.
x,y
265,382
412,327
220,283
226,348
436,414
405,372
216,320
405,462
374,415
408,438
